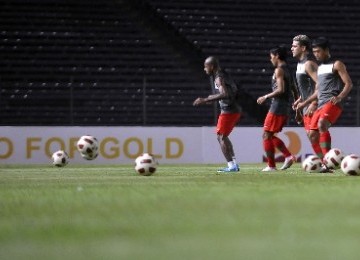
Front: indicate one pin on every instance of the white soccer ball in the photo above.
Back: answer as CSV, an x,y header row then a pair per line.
x,y
333,158
351,164
312,163
88,147
91,156
145,164
60,158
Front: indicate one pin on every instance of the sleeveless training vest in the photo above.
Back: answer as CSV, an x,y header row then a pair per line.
x,y
329,83
305,83
280,105
228,105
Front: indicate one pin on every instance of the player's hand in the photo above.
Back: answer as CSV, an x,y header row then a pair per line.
x,y
311,109
261,100
335,100
199,101
294,105
298,116
300,105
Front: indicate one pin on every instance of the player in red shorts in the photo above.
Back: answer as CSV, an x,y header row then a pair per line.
x,y
306,78
230,111
282,86
334,84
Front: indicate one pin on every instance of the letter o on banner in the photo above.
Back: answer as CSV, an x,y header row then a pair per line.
x,y
127,147
49,143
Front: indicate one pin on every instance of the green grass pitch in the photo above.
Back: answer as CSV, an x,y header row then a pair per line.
x,y
181,212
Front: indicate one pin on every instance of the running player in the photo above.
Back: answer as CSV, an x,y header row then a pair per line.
x,y
334,84
276,118
230,112
306,78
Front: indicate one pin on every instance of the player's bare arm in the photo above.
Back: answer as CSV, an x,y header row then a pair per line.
x,y
341,70
279,76
221,95
296,103
295,92
311,69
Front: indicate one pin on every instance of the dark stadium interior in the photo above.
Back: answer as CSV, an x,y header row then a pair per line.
x,y
141,62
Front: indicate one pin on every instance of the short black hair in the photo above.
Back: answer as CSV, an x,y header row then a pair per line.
x,y
321,42
280,50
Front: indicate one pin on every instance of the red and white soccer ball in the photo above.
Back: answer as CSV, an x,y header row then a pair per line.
x,y
90,156
60,158
88,147
312,163
351,164
146,164
333,158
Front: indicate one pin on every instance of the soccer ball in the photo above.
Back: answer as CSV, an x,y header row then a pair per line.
x,y
312,163
88,147
351,164
333,158
89,157
145,164
60,158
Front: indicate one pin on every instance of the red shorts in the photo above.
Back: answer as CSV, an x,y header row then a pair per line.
x,y
226,123
329,111
307,122
274,123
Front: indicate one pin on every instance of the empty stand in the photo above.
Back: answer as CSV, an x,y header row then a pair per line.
x,y
109,63
241,33
82,63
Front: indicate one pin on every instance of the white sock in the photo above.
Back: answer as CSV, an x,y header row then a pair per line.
x,y
231,164
234,160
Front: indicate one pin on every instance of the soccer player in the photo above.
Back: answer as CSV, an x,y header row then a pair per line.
x,y
225,93
282,86
306,78
334,84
